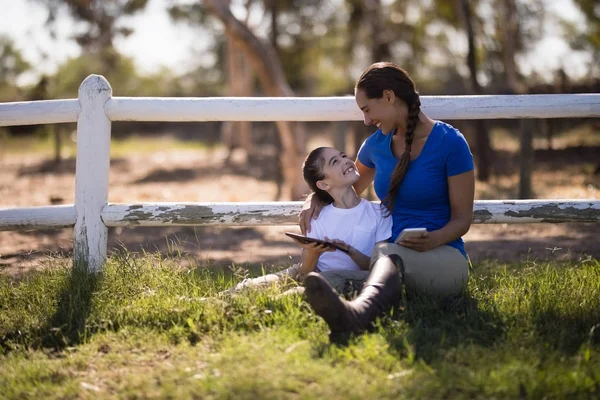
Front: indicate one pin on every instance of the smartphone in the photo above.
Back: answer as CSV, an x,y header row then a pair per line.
x,y
411,232
306,240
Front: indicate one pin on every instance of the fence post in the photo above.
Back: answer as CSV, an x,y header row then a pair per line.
x,y
91,174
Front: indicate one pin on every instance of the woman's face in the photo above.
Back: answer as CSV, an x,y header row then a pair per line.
x,y
384,112
339,170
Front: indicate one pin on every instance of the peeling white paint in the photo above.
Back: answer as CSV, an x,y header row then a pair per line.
x,y
278,213
286,213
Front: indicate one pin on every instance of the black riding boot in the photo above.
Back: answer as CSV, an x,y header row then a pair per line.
x,y
379,293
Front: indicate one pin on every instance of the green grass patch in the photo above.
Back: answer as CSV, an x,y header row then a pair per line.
x,y
146,327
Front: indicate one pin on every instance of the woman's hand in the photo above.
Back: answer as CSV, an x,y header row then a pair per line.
x,y
427,241
311,209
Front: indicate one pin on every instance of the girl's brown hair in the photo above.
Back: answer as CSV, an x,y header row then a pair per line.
x,y
312,170
389,76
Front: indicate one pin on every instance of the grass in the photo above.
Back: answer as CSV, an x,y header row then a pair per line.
x,y
146,328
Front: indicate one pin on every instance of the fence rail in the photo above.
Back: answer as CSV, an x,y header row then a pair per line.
x,y
277,213
45,217
39,112
95,108
183,109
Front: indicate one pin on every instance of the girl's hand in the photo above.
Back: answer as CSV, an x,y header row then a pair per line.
x,y
311,209
363,261
428,241
316,248
340,243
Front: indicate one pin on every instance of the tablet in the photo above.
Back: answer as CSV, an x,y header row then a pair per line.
x,y
306,240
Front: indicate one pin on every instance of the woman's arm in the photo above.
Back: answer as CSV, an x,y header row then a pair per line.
x,y
310,210
461,192
366,177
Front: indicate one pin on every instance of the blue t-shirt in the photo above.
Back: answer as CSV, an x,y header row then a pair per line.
x,y
422,200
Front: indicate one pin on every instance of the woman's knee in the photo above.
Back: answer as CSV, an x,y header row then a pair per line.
x,y
438,280
427,272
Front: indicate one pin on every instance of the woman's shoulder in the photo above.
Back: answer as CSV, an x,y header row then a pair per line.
x,y
448,134
373,144
446,129
375,137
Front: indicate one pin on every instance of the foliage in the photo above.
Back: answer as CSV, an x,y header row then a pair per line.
x,y
148,328
586,38
323,45
121,73
12,66
12,62
100,17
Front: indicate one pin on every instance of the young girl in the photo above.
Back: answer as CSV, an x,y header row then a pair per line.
x,y
347,220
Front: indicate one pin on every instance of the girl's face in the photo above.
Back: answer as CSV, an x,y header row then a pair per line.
x,y
339,170
384,112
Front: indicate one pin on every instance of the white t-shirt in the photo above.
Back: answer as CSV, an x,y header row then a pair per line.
x,y
361,227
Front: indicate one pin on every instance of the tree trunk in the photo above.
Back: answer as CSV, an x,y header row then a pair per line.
x,y
56,132
267,66
380,49
272,6
511,32
484,149
236,134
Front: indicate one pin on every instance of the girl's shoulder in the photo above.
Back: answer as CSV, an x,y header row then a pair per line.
x,y
377,208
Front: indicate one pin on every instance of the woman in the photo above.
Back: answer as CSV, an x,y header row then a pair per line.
x,y
423,173
353,224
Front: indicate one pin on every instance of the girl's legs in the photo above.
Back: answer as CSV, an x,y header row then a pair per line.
x,y
381,290
290,273
346,282
440,272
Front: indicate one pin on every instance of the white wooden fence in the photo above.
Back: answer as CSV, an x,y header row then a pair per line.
x,y
96,108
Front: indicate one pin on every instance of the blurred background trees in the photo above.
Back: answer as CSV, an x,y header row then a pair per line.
x,y
12,66
318,48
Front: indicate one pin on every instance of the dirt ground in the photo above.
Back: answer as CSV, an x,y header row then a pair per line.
x,y
29,179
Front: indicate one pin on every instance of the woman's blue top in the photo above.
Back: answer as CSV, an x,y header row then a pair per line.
x,y
422,200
